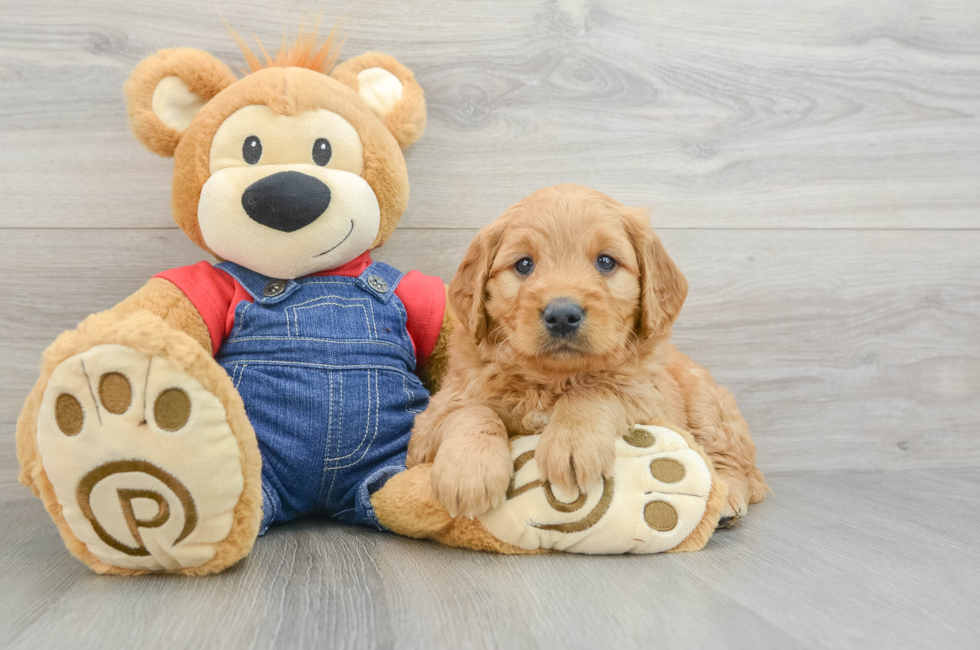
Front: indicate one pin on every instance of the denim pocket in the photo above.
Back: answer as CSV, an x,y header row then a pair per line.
x,y
351,420
349,317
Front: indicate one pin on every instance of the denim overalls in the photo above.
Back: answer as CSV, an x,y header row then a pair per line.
x,y
325,367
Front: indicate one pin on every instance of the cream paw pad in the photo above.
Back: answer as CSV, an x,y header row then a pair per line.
x,y
141,458
656,497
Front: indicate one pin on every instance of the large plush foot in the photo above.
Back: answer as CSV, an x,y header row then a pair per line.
x,y
141,468
662,496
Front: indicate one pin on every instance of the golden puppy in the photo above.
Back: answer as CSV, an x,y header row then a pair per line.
x,y
565,306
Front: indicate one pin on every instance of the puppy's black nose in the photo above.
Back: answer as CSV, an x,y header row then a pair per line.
x,y
286,201
562,317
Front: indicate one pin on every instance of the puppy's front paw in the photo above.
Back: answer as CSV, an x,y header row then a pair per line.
x,y
471,473
573,463
735,507
422,446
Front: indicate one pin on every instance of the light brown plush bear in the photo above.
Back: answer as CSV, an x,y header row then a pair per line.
x,y
166,433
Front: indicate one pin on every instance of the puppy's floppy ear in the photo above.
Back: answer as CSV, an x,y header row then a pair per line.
x,y
663,287
390,90
467,290
165,92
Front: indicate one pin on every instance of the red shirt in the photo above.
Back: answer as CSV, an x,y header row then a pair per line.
x,y
216,294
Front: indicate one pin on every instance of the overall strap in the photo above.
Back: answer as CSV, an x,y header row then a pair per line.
x,y
380,280
263,289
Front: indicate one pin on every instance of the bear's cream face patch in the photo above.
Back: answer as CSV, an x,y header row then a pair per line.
x,y
285,197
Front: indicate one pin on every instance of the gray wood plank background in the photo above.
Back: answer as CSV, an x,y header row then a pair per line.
x,y
860,575
814,168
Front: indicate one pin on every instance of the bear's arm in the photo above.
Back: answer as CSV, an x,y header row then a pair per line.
x,y
163,298
438,363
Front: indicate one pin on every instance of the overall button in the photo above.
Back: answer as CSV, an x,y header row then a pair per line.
x,y
377,283
274,288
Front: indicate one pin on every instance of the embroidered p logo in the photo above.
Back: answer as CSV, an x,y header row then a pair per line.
x,y
128,509
586,522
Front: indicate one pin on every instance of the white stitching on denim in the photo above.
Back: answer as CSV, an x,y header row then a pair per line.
x,y
333,481
272,502
403,330
240,319
241,374
296,308
326,459
329,295
351,281
308,338
368,425
326,446
325,366
373,376
322,300
402,336
377,397
377,418
411,398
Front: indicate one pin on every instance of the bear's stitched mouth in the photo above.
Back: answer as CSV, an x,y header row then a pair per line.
x,y
338,243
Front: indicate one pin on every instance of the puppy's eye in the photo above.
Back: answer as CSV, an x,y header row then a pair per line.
x,y
524,266
252,149
605,263
322,151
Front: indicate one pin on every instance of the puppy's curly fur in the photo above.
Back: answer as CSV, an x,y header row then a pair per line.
x,y
510,375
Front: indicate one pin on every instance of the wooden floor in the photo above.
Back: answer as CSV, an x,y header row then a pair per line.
x,y
857,560
814,168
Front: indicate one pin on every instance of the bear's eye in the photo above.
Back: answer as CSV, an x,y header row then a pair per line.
x,y
605,263
252,149
322,151
524,266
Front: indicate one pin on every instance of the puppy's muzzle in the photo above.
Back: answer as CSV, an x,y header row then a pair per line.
x,y
562,317
286,201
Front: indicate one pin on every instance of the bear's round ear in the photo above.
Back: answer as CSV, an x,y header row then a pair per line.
x,y
167,89
390,90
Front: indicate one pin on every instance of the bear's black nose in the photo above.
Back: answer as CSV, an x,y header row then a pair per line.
x,y
562,317
286,201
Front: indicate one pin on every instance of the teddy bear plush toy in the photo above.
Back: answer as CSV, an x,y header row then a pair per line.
x,y
167,433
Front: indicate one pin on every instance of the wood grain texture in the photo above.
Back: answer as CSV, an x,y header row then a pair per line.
x,y
812,167
753,114
814,567
845,349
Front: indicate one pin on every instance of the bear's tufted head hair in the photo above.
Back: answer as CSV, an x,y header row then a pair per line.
x,y
292,169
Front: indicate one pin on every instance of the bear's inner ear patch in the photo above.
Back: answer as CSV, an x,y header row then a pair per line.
x,y
175,104
379,89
